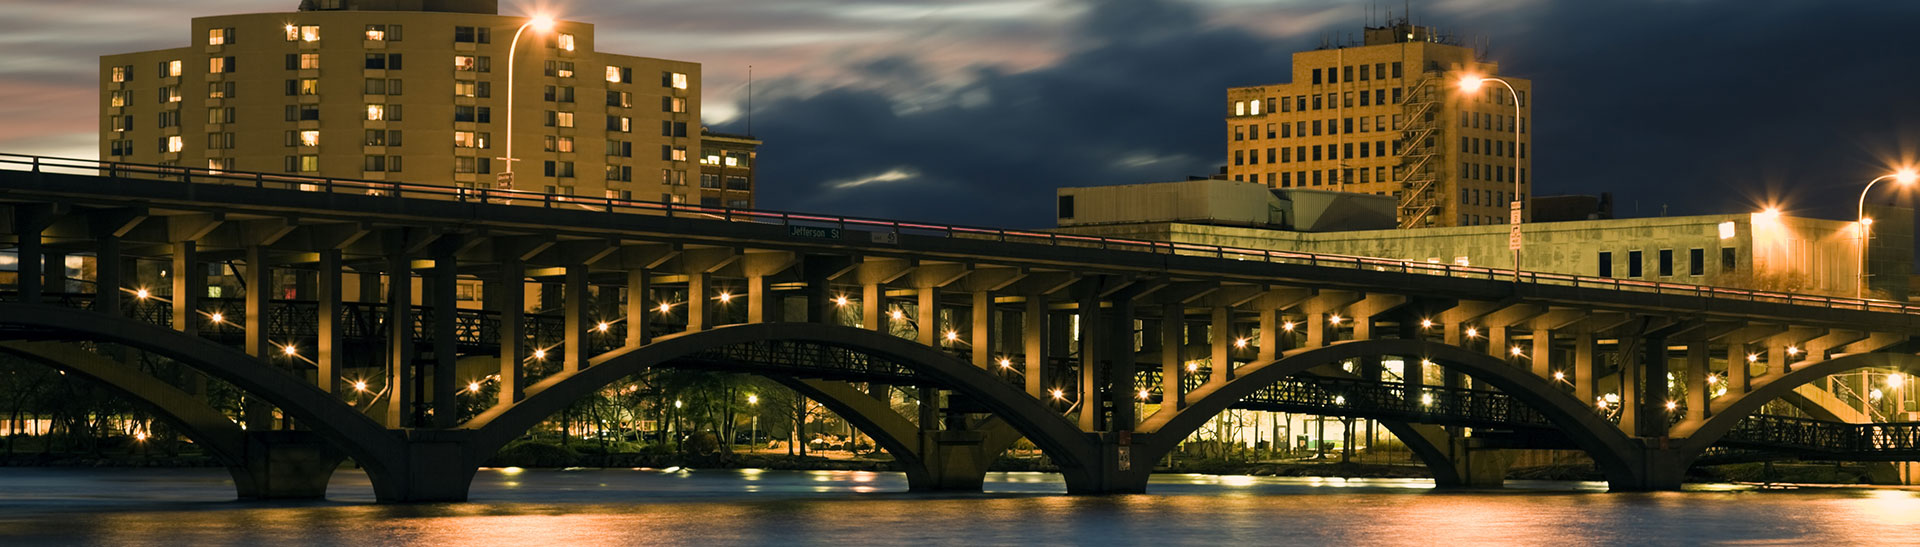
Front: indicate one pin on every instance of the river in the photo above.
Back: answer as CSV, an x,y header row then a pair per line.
x,y
749,507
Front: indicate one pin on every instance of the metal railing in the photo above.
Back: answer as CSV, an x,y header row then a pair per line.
x,y
403,190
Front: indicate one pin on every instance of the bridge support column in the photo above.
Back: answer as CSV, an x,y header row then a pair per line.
x,y
1033,331
697,283
189,284
1092,350
575,310
1699,391
1479,466
1584,380
760,301
873,308
329,338
257,278
949,461
1542,354
446,320
109,275
982,341
28,222
435,468
510,300
1221,330
1173,356
400,356
286,465
928,323
640,307
1739,369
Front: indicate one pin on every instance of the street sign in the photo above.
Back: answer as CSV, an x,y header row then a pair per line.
x,y
505,180
813,232
1513,236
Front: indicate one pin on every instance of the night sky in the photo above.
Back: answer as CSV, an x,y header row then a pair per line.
x,y
973,111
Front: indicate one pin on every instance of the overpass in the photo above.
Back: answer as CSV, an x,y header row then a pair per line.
x,y
1005,333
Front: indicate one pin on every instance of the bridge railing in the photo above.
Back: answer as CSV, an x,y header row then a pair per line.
x,y
888,231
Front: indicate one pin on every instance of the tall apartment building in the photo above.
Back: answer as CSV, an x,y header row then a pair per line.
x,y
408,90
1388,117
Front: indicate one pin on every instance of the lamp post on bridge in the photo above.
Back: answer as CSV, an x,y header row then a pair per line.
x,y
753,440
539,23
1470,83
1905,177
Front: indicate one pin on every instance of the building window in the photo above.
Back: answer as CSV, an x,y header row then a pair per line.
x,y
120,98
383,61
472,139
479,114
1606,264
620,99
303,33
220,36
122,73
388,137
559,119
1066,207
462,164
169,118
563,42
169,94
470,88
220,115
1316,76
120,148
674,80
472,35
378,164
470,63
673,104
559,169
219,164
170,69
560,69
1696,262
1729,260
217,65
383,33
620,173
559,94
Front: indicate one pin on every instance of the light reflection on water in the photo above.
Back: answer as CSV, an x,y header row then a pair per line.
x,y
745,507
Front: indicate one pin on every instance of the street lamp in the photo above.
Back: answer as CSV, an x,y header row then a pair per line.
x,y
1904,177
754,439
1471,83
542,24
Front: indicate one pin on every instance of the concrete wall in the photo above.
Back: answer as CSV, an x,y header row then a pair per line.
x,y
1204,201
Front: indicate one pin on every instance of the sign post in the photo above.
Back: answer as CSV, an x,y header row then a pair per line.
x,y
1513,238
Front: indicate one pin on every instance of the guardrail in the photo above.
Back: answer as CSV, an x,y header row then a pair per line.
x,y
406,190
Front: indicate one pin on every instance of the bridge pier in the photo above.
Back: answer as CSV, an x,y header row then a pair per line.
x,y
950,461
286,465
434,468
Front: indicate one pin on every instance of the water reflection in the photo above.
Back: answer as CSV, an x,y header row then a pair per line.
x,y
761,507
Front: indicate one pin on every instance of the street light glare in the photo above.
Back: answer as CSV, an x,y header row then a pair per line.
x,y
542,23
1906,176
1471,82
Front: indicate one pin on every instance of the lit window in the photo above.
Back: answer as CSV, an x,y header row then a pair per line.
x,y
733,161
219,164
377,33
310,33
679,153
467,63
613,74
121,73
678,80
120,98
565,42
309,138
219,36
309,61
1255,107
470,139
710,160
376,112
173,68
217,65
309,164
175,143
309,86
1240,108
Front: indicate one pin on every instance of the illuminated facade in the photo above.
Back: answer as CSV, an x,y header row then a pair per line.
x,y
1345,120
727,169
408,90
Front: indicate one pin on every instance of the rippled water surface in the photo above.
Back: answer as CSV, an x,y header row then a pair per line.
x,y
733,507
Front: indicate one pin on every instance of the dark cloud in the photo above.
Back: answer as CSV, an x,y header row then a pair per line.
x,y
1139,103
1694,107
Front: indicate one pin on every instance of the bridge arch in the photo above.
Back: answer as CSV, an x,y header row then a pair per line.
x,y
1070,449
1727,412
1612,450
381,453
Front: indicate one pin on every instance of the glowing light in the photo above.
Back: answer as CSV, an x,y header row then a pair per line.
x,y
539,354
1516,351
541,23
1751,357
1473,332
897,315
1770,214
1339,399
753,399
140,436
1059,395
1600,403
1334,319
142,294
1560,376
1287,326
1895,380
953,336
473,387
1426,363
1240,343
1671,405
511,470
1874,395
1426,323
1143,395
1006,363
602,327
666,307
677,403
726,297
1712,379
1470,82
840,301
359,385
1793,350
1193,366
1866,221
290,350
1906,176
217,317
1426,399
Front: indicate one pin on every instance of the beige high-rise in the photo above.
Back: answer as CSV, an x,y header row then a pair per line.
x,y
408,90
1346,120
